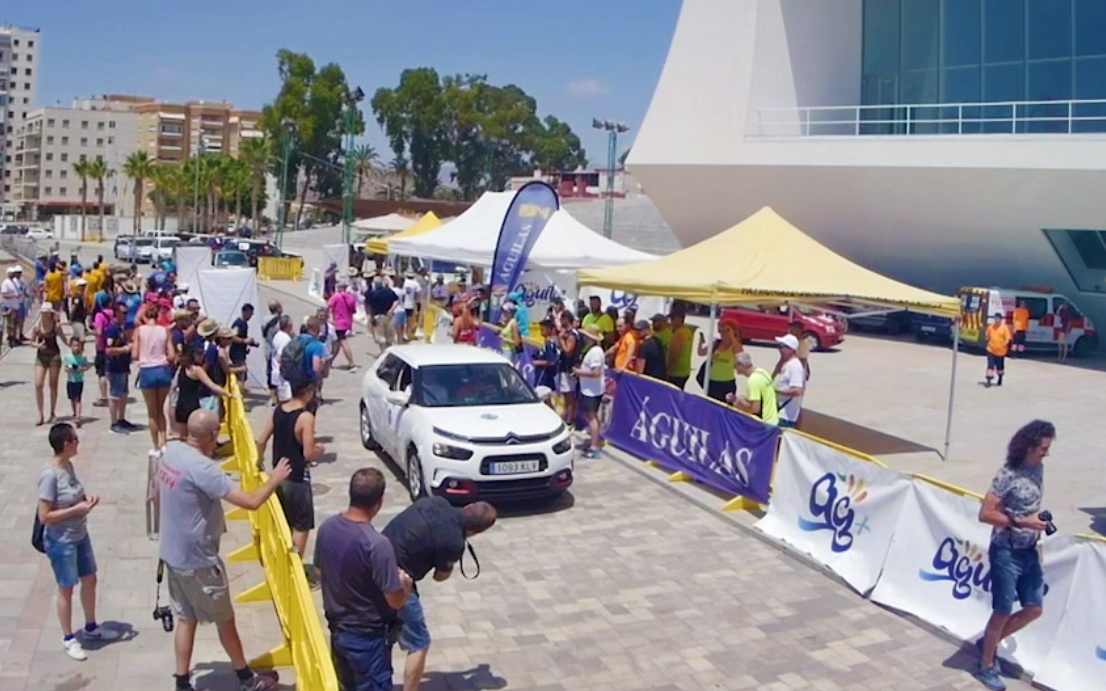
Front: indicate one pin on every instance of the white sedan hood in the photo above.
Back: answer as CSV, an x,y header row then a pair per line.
x,y
495,422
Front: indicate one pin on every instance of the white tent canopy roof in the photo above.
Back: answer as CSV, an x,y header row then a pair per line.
x,y
471,238
391,223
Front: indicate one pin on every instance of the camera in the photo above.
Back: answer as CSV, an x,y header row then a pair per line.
x,y
1046,516
165,616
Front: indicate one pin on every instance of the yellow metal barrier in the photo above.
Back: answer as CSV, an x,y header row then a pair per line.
x,y
430,321
947,486
305,646
280,268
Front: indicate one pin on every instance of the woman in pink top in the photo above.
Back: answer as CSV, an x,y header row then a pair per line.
x,y
153,350
103,319
342,306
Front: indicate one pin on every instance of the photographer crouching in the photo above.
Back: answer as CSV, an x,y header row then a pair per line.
x,y
430,535
1013,507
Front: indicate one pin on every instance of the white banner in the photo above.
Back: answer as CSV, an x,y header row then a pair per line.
x,y
222,292
937,568
190,261
542,286
837,508
315,285
1077,658
1030,648
646,305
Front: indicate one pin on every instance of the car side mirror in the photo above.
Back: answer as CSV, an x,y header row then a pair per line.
x,y
543,392
399,398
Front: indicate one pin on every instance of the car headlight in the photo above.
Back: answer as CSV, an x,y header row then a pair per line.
x,y
563,446
455,453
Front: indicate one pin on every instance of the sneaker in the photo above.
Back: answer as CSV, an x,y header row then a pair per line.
x,y
990,678
262,680
73,649
129,426
118,428
593,454
95,634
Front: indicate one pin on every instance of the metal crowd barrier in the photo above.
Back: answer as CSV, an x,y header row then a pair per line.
x,y
305,645
280,268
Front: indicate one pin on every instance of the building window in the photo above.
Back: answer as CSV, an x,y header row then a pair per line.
x,y
30,44
27,72
15,70
26,100
49,191
49,173
63,174
65,124
83,158
50,122
111,124
15,43
84,141
49,156
65,158
65,141
100,125
15,57
100,142
111,140
30,58
84,124
63,191
26,86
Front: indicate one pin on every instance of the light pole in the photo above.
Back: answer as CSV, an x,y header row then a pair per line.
x,y
352,99
289,126
613,130
196,192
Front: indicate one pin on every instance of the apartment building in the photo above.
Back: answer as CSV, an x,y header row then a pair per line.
x,y
171,133
19,62
51,140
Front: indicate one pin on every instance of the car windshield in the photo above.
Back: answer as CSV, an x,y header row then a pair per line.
x,y
477,384
232,258
144,242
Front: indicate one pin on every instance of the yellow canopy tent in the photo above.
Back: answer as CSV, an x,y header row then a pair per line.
x,y
428,222
766,259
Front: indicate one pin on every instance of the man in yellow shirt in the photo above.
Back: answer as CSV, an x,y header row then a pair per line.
x,y
596,316
679,354
1021,326
998,346
760,396
55,282
95,281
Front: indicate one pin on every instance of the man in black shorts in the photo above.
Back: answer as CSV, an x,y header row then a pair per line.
x,y
292,429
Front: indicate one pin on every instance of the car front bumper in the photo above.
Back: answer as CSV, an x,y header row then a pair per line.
x,y
471,479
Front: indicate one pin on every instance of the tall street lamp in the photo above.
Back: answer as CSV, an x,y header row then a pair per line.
x,y
613,130
289,126
352,99
200,151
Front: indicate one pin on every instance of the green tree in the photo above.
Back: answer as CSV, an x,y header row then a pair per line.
x,y
415,118
257,152
138,167
80,169
159,177
99,171
401,169
365,159
315,101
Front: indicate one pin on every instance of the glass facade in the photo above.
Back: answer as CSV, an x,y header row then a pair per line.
x,y
1003,52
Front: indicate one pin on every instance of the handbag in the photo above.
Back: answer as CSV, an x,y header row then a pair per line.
x,y
38,534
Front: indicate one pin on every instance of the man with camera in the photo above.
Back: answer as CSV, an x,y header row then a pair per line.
x,y
190,487
1013,507
430,535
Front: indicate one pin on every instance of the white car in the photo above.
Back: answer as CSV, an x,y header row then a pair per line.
x,y
143,250
463,424
40,234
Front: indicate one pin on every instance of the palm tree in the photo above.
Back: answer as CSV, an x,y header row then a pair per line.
x,y
99,170
81,169
139,167
364,163
401,167
257,153
159,180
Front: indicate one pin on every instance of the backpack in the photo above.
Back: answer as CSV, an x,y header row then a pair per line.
x,y
269,330
292,359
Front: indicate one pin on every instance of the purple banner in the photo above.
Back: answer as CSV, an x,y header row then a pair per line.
x,y
530,210
718,447
487,337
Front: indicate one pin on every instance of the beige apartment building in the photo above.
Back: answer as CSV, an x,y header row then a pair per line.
x,y
171,133
19,71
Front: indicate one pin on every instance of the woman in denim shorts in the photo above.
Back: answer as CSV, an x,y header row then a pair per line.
x,y
153,349
63,508
1013,508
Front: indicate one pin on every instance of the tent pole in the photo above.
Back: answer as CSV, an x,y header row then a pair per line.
x,y
952,387
711,331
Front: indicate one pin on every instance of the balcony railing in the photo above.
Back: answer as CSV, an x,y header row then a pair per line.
x,y
1009,117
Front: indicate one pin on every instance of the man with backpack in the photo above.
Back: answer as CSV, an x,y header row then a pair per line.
x,y
760,396
307,356
269,331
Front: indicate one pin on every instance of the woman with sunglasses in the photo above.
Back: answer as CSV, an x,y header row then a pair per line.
x,y
63,509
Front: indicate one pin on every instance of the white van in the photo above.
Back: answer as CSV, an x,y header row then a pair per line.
x,y
979,305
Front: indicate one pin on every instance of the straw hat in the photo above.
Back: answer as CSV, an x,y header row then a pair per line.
x,y
129,287
207,328
592,331
181,314
225,332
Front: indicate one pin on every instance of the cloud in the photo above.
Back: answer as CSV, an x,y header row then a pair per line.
x,y
588,87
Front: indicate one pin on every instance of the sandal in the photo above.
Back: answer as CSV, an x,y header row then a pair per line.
x,y
40,422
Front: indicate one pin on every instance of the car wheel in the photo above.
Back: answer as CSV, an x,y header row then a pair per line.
x,y
416,488
1083,347
812,338
367,438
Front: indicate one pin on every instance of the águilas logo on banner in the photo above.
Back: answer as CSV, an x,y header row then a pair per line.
x,y
833,509
530,211
964,564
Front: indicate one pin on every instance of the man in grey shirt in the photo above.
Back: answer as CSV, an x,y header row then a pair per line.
x,y
191,487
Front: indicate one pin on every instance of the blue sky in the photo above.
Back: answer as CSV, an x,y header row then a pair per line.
x,y
579,59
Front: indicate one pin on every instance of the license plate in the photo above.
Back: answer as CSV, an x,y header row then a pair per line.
x,y
512,467
929,329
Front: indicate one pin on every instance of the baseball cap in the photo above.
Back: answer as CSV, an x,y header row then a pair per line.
x,y
641,325
788,341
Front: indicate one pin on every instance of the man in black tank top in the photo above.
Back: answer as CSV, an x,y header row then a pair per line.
x,y
292,430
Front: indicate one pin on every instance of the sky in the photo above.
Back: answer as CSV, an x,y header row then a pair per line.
x,y
578,58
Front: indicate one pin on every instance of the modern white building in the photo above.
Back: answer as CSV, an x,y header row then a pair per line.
x,y
19,64
942,142
51,140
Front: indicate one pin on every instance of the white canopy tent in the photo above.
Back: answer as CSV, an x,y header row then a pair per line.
x,y
471,238
391,223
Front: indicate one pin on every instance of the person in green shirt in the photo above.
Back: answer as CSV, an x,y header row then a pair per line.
x,y
510,338
596,316
662,331
679,352
760,396
75,364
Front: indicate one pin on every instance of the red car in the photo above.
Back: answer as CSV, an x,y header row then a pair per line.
x,y
767,324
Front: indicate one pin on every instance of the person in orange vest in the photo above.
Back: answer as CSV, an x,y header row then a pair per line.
x,y
998,346
1021,326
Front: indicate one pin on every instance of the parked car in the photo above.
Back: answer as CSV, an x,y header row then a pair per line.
x,y
40,234
464,424
163,247
15,230
124,248
230,259
930,328
143,250
888,322
821,330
